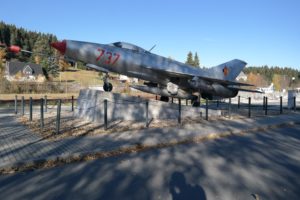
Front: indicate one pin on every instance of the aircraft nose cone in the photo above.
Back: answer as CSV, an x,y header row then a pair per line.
x,y
60,46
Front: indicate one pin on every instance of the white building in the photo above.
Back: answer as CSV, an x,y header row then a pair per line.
x,y
241,76
124,78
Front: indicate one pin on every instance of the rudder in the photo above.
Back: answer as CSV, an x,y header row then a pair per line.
x,y
228,71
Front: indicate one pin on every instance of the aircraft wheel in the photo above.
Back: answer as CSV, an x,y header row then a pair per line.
x,y
196,103
164,98
107,87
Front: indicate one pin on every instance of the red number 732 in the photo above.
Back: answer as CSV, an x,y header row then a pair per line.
x,y
108,57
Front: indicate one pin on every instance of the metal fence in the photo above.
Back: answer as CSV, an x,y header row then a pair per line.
x,y
242,107
247,107
39,107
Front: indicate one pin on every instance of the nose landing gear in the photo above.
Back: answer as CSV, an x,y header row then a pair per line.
x,y
107,86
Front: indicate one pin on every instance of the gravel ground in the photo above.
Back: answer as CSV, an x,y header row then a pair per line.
x,y
73,126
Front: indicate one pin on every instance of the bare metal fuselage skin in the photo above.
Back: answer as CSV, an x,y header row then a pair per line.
x,y
131,62
144,65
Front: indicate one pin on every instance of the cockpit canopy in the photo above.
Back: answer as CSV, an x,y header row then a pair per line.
x,y
125,45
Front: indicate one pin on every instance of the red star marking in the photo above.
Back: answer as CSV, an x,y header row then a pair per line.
x,y
225,71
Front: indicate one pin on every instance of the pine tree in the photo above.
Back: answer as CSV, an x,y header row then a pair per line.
x,y
41,46
189,59
50,68
196,60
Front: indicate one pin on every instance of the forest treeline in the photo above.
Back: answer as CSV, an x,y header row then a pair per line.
x,y
282,78
269,72
33,41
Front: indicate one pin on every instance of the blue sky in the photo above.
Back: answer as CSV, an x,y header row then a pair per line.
x,y
257,31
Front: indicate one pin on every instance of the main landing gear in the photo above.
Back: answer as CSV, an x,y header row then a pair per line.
x,y
164,98
196,101
107,86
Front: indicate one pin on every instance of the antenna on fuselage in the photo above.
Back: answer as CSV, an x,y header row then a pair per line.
x,y
152,48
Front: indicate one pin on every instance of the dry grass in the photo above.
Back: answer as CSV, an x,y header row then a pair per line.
x,y
84,77
71,126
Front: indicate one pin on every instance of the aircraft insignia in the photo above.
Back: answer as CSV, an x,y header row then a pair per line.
x,y
225,71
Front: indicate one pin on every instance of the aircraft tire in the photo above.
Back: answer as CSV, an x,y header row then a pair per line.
x,y
107,87
196,104
164,98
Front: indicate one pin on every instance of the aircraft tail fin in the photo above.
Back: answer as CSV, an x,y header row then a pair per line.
x,y
228,71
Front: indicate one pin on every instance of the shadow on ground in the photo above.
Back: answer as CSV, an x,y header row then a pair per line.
x,y
265,165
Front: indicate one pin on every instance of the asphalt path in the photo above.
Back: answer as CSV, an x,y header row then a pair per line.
x,y
262,165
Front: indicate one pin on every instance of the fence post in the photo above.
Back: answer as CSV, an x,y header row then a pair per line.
x,y
264,102
156,97
229,108
206,109
22,105
42,113
239,101
179,111
266,106
186,102
58,116
172,100
218,102
147,112
280,104
294,103
72,103
30,109
249,107
105,114
46,103
16,104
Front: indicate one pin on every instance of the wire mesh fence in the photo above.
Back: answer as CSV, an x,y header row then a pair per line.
x,y
56,116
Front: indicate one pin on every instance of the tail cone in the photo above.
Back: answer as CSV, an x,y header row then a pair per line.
x,y
60,46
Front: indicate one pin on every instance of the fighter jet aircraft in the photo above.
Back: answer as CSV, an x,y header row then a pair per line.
x,y
164,76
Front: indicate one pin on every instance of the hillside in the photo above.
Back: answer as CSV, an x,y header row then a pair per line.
x,y
84,77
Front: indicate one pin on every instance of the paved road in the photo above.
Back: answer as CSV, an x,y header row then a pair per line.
x,y
267,164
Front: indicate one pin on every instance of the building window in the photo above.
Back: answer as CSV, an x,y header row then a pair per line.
x,y
27,70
